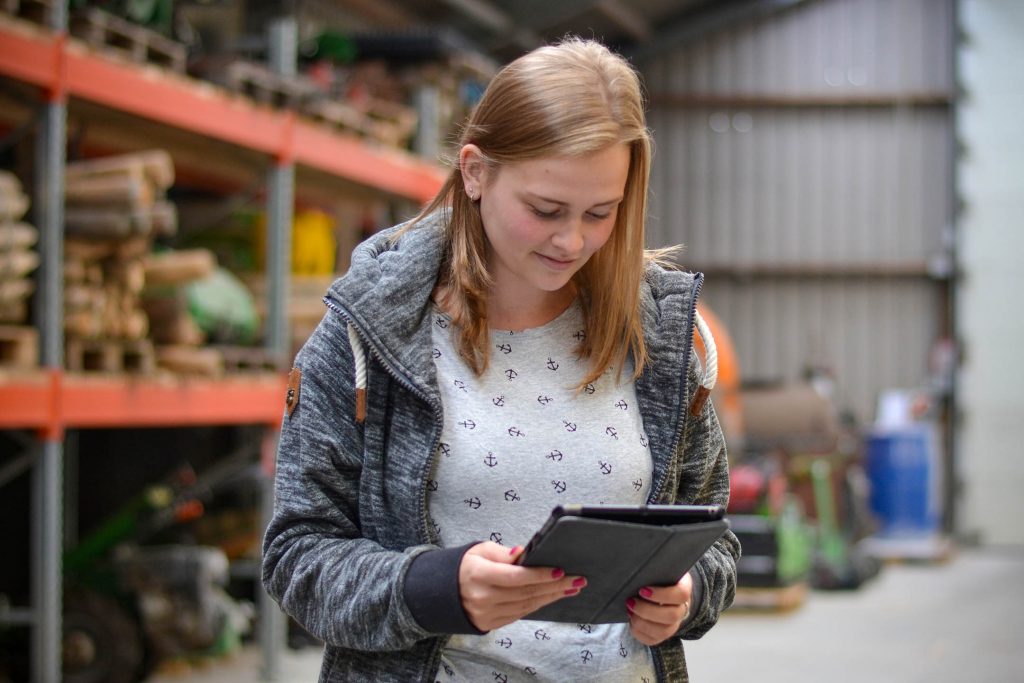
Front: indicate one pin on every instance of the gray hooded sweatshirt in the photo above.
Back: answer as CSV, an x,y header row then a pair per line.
x,y
349,553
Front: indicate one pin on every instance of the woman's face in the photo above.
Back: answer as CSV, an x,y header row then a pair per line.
x,y
544,218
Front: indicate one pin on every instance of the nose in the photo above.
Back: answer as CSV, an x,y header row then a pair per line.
x,y
569,237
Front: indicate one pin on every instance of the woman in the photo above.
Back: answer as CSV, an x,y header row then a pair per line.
x,y
512,348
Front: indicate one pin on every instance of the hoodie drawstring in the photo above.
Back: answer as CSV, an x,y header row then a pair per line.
x,y
359,356
710,366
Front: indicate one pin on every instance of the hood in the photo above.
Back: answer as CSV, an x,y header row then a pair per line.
x,y
385,295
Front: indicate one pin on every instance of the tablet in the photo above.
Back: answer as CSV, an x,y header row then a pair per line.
x,y
641,514
619,549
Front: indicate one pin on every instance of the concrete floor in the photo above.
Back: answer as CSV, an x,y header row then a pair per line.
x,y
962,620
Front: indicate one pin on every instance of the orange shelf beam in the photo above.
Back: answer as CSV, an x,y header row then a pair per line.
x,y
60,65
54,401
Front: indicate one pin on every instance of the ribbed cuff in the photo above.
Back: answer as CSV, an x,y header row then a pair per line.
x,y
432,591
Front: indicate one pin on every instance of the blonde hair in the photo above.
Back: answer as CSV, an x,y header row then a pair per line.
x,y
568,99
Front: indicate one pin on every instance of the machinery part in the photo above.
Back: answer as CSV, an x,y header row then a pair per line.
x,y
101,641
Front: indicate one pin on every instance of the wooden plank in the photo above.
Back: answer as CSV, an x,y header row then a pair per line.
x,y
17,263
107,31
112,356
107,222
246,358
17,236
155,165
13,206
19,347
191,360
179,267
12,291
14,312
128,188
781,599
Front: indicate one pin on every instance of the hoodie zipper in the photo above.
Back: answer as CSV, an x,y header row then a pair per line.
x,y
686,380
425,532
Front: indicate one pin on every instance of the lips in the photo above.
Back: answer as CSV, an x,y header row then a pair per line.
x,y
557,264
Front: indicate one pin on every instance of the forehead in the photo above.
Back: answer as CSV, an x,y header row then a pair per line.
x,y
595,175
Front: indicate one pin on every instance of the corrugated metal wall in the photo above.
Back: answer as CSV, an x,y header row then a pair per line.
x,y
806,162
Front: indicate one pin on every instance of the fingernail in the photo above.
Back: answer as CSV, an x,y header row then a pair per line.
x,y
579,583
572,591
557,573
514,550
630,604
646,592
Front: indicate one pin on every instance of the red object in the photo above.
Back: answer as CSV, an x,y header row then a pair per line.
x,y
747,486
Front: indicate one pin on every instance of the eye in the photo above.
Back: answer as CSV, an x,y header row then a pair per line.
x,y
543,214
598,216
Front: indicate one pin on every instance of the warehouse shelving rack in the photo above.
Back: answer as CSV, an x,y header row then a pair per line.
x,y
50,401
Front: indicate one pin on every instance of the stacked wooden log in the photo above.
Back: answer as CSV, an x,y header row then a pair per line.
x,y
114,207
17,255
172,326
19,342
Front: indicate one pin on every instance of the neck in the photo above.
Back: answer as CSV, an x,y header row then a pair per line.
x,y
506,312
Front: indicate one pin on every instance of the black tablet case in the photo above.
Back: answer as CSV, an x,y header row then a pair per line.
x,y
618,559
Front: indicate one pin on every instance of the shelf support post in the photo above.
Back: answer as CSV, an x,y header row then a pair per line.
x,y
283,50
47,475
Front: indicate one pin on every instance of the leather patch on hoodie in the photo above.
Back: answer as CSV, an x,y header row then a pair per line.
x,y
291,398
699,399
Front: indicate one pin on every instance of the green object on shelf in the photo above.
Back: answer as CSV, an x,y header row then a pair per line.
x,y
224,308
336,47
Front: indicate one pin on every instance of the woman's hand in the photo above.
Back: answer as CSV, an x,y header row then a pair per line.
x,y
658,613
495,591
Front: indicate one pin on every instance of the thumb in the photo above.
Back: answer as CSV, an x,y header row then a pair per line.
x,y
496,553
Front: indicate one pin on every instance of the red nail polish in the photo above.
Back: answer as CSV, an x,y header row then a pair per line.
x,y
630,604
579,583
572,591
514,550
557,573
646,592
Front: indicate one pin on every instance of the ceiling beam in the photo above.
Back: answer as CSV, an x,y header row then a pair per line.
x,y
631,22
496,20
695,25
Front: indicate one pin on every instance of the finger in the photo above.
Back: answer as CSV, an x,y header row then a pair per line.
x,y
521,597
648,633
493,612
525,606
663,615
486,566
675,594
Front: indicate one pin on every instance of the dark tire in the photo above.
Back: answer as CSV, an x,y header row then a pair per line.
x,y
102,643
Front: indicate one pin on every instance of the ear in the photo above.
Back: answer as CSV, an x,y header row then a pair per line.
x,y
473,168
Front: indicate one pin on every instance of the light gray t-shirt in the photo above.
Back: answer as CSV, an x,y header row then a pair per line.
x,y
517,441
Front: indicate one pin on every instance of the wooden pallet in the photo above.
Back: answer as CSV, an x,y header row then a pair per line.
x,y
782,599
107,355
19,347
386,122
108,32
37,11
246,359
184,359
266,86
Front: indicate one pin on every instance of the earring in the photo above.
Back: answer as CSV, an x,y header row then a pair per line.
x,y
472,193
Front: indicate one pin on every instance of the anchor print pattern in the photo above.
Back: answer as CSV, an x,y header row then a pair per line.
x,y
516,441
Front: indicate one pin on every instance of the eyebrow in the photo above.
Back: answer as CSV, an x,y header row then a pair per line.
x,y
561,203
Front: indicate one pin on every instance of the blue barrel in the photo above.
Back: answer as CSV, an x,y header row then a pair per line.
x,y
902,471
